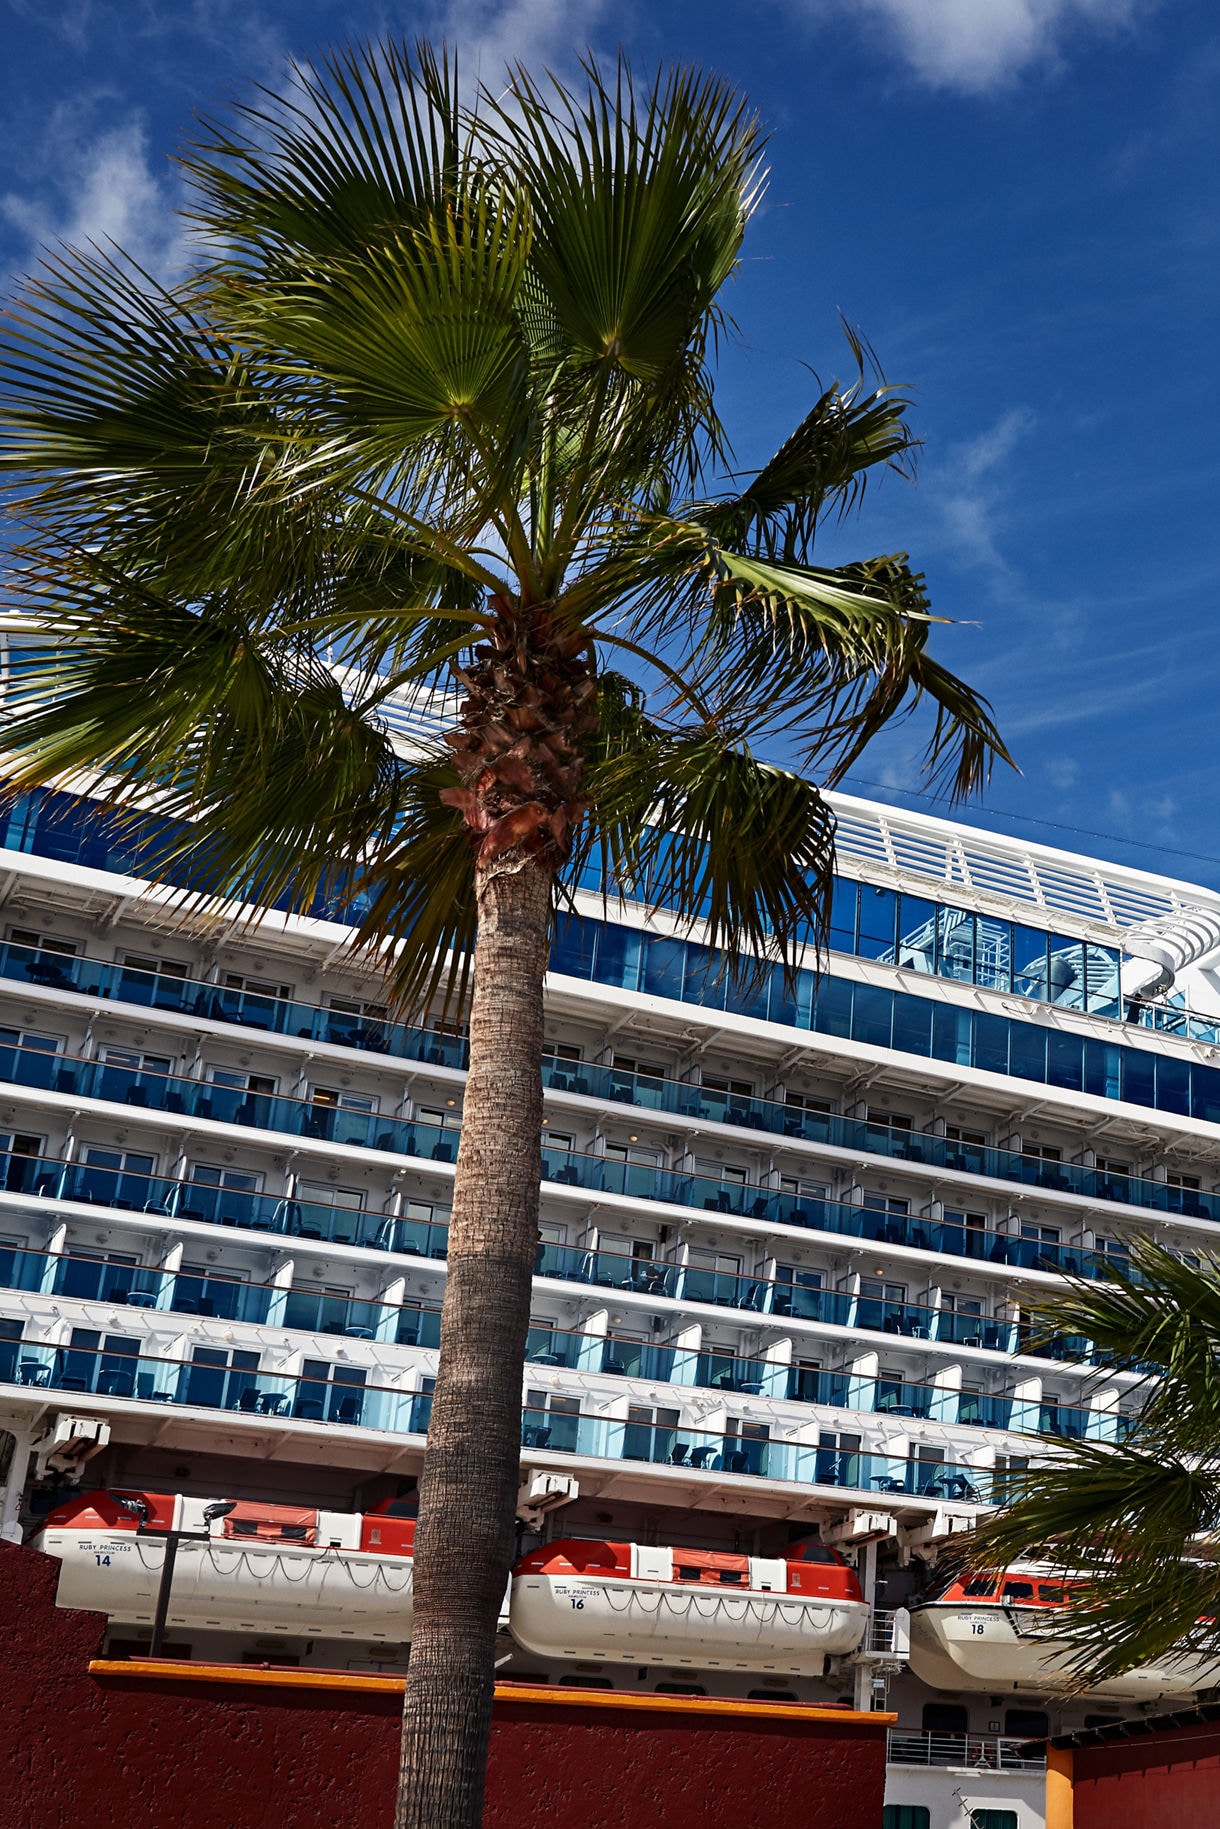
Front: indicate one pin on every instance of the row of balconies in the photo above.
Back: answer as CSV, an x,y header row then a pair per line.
x,y
770,1201
790,1119
774,1290
600,1347
329,1393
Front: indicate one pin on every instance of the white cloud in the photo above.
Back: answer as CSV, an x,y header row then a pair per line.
x,y
966,491
537,33
102,188
978,45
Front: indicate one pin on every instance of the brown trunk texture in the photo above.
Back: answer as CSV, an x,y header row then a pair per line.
x,y
468,1493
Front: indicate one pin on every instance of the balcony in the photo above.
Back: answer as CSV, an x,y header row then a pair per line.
x,y
232,1381
404,1236
973,1752
645,1091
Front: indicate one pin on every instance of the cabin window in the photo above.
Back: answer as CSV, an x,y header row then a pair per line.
x,y
1026,1724
1018,1590
905,1816
256,987
945,1718
981,1585
43,943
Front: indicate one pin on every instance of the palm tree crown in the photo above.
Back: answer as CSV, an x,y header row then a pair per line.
x,y
440,396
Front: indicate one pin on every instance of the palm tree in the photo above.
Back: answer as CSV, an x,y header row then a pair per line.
x,y
1134,1521
437,403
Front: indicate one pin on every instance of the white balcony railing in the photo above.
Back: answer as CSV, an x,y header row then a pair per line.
x,y
978,1752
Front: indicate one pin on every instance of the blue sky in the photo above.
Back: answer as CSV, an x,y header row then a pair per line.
x,y
1018,201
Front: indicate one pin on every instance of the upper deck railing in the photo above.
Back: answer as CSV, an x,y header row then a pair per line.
x,y
650,1092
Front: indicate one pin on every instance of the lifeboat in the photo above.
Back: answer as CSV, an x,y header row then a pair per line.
x,y
1005,1632
261,1567
625,1603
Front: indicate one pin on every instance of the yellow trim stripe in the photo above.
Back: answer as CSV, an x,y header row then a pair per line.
x,y
168,1669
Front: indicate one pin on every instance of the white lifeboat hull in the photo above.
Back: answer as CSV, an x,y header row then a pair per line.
x,y
617,1621
231,1585
961,1647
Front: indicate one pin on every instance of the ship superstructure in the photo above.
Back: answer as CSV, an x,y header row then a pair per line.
x,y
790,1231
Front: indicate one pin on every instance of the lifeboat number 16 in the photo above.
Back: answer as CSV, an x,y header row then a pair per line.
x,y
578,1601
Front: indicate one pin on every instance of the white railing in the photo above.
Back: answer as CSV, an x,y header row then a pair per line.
x,y
889,1632
978,1752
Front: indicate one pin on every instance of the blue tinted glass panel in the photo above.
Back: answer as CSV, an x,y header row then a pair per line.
x,y
1066,972
1065,1061
573,947
1206,1094
832,1008
1139,1078
1173,1086
1102,1062
843,915
1102,980
878,920
1029,962
991,1043
874,1016
917,934
791,1004
748,996
993,953
663,967
955,944
618,957
912,1025
706,976
1027,1051
951,1034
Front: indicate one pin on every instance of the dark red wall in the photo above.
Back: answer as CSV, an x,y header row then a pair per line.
x,y
89,1752
1167,1780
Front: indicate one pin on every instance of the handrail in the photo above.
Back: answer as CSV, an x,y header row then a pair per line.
x,y
403,1236
82,975
982,1752
345,1398
87,1078
194,1290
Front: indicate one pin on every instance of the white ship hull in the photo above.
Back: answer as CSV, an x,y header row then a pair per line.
x,y
956,1648
626,1622
231,1586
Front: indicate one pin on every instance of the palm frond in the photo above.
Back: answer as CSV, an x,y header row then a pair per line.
x,y
692,823
821,469
364,146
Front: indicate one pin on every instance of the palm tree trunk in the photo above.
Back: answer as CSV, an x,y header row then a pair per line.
x,y
468,1493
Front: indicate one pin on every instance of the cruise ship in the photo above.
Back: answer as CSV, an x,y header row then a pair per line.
x,y
790,1233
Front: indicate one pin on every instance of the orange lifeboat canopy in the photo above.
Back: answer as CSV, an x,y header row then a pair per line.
x,y
389,1529
1018,1589
577,1556
92,1511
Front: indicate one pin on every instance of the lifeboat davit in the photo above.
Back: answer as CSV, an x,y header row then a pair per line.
x,y
262,1567
627,1603
1007,1633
